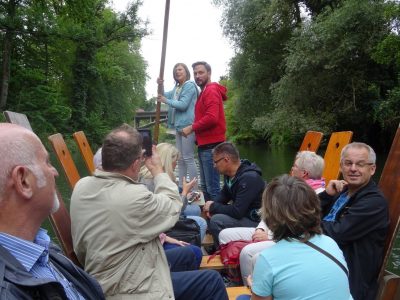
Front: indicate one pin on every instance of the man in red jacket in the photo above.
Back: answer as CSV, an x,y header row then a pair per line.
x,y
209,126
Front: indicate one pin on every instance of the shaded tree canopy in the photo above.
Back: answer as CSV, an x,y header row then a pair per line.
x,y
72,65
321,65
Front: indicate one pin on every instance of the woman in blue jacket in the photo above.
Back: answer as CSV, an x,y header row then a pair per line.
x,y
181,100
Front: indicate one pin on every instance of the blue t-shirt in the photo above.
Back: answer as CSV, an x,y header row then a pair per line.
x,y
293,270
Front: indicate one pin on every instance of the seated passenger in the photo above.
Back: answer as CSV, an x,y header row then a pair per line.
x,y
116,222
183,259
238,203
169,156
31,267
304,263
308,166
355,214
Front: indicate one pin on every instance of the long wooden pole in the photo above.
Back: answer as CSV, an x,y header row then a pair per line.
x,y
160,88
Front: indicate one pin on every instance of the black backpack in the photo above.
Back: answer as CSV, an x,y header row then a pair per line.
x,y
186,230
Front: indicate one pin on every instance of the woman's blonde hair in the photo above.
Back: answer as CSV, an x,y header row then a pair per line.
x,y
168,155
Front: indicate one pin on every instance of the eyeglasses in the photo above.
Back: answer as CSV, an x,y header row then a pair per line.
x,y
359,165
218,160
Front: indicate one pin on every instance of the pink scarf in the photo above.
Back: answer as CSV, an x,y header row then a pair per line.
x,y
316,183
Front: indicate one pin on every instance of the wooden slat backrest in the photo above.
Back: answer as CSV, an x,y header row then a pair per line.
x,y
389,184
84,148
311,141
332,155
17,118
64,157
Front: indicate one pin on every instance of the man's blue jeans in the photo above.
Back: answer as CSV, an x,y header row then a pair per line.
x,y
209,176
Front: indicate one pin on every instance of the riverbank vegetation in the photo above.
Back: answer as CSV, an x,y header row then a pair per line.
x,y
71,65
321,65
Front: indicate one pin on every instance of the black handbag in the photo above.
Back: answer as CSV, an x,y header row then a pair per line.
x,y
186,230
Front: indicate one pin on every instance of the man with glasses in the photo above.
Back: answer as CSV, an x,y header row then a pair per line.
x,y
355,215
238,203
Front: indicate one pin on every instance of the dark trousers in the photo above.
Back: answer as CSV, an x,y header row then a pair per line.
x,y
181,259
198,285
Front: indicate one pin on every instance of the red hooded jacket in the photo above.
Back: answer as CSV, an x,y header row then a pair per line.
x,y
209,118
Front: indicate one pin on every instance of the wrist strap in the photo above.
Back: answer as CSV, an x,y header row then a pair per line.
x,y
312,245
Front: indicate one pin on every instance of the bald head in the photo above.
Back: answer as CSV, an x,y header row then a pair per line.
x,y
18,147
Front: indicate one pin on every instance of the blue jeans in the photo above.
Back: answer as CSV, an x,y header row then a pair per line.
x,y
198,285
186,163
209,176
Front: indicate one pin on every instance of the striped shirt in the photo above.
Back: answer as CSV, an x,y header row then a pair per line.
x,y
35,259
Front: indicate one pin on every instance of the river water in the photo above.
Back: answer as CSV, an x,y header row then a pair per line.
x,y
272,161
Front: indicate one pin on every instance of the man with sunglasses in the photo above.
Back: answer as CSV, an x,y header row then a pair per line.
x,y
355,215
238,203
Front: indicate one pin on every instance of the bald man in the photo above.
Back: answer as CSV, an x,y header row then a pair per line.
x,y
31,267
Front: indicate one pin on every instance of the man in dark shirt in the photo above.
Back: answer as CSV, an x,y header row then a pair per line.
x,y
355,215
243,187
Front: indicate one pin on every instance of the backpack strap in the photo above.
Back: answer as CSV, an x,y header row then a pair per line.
x,y
312,245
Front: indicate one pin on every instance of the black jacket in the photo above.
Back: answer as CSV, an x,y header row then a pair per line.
x,y
17,284
360,230
245,192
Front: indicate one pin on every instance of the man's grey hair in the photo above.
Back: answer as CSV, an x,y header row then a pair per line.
x,y
310,162
371,152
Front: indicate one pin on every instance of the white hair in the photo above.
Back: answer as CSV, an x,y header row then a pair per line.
x,y
310,162
97,160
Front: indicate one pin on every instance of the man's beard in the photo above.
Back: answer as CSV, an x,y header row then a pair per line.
x,y
56,204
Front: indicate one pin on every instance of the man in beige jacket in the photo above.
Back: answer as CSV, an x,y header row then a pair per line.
x,y
116,222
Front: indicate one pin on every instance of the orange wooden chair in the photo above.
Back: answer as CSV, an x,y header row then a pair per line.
x,y
85,150
332,155
311,141
64,157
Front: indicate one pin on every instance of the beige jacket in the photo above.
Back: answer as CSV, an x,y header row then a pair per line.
x,y
115,227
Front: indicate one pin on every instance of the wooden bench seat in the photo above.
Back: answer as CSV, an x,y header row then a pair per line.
x,y
233,292
215,263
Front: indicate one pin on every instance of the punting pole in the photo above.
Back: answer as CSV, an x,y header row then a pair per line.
x,y
160,88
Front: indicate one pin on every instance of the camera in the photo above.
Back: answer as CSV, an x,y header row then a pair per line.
x,y
146,141
193,197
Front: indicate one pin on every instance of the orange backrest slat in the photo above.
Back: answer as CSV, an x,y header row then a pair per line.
x,y
84,148
65,158
311,141
332,155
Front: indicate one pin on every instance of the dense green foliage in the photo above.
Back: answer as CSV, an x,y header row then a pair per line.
x,y
73,65
321,65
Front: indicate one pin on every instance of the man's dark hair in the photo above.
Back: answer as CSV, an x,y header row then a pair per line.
x,y
291,209
121,148
227,148
202,63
